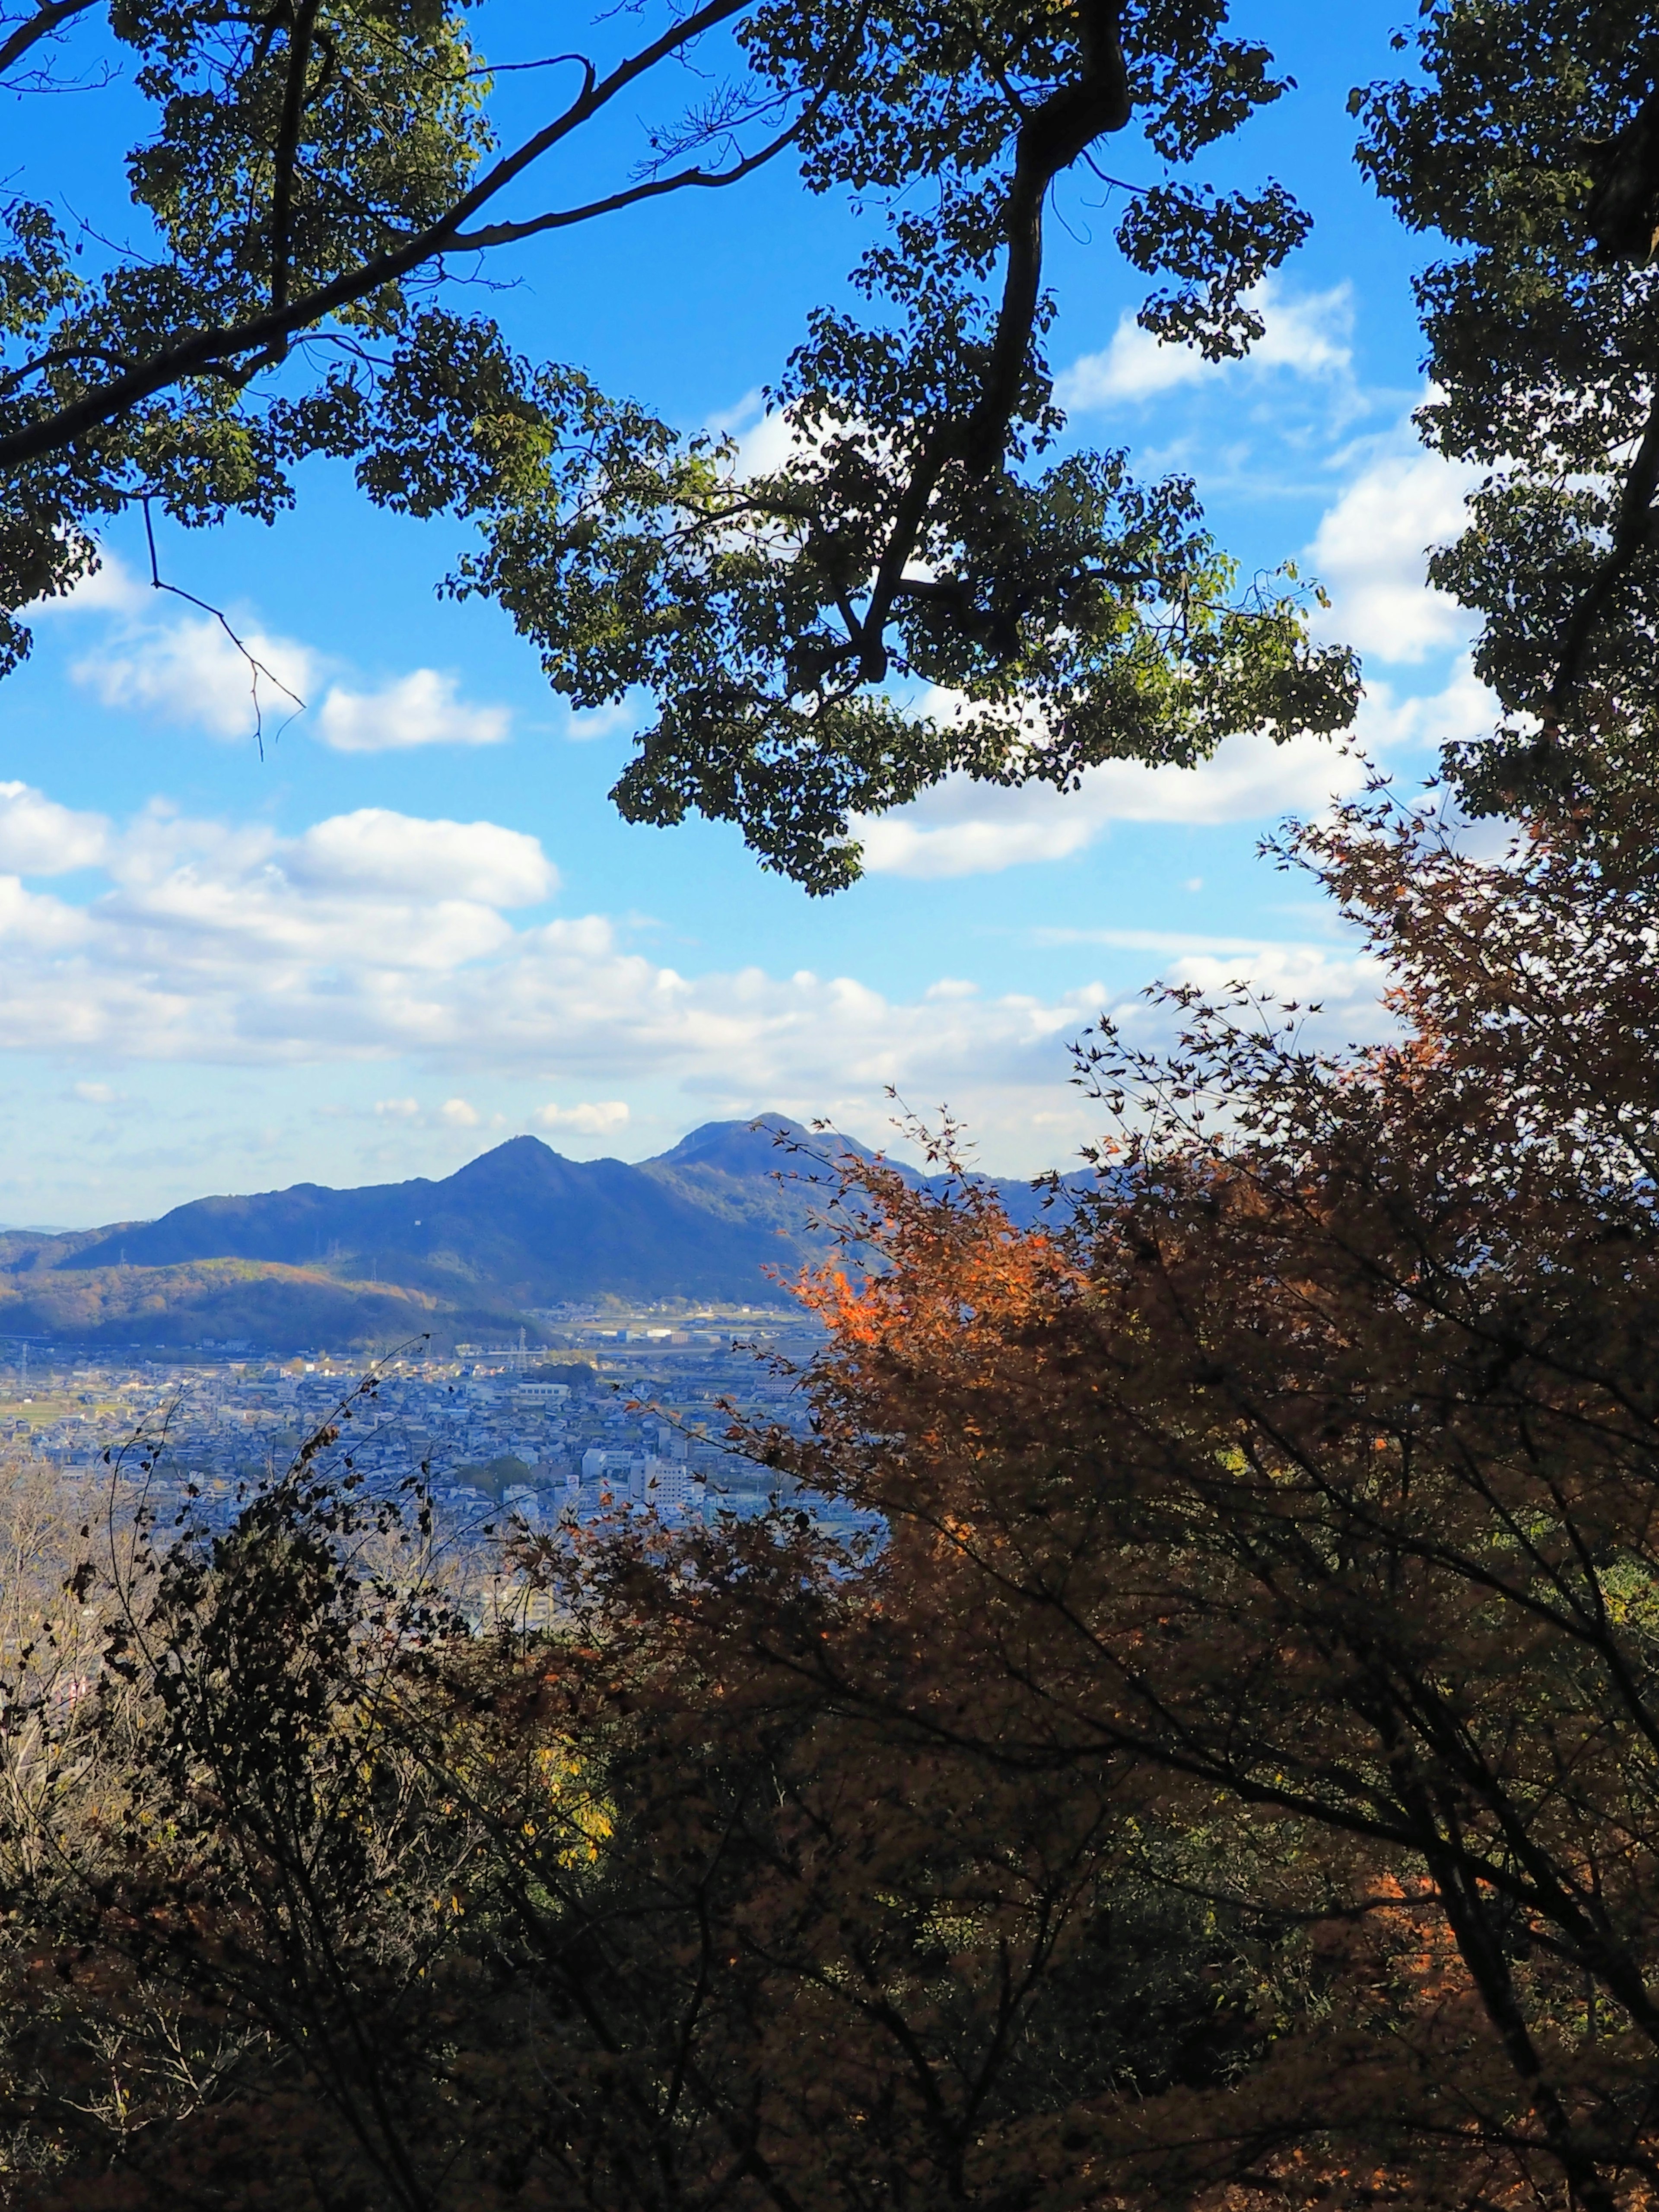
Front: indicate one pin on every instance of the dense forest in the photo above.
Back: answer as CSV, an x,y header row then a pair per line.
x,y
1230,1778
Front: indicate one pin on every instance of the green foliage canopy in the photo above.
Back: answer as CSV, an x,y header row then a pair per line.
x,y
315,170
1528,139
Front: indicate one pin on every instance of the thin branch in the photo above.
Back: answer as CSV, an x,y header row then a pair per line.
x,y
506,69
257,666
507,233
59,357
1121,183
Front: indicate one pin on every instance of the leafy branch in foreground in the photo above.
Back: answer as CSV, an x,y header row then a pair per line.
x,y
1527,140
906,595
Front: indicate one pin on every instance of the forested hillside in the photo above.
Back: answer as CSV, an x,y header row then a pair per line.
x,y
517,1229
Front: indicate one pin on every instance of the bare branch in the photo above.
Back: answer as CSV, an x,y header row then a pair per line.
x,y
256,666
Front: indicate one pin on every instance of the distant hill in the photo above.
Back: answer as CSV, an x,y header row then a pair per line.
x,y
520,1227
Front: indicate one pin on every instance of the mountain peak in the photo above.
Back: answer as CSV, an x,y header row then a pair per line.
x,y
516,1152
736,1147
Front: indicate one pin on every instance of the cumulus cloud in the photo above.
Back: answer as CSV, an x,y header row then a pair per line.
x,y
600,1119
192,672
963,828
215,943
1371,552
766,439
610,721
375,849
110,588
421,708
1307,335
1307,974
38,837
1463,708
34,921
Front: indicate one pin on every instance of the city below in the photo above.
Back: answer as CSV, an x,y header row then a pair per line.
x,y
629,1412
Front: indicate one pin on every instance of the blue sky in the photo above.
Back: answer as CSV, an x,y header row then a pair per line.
x,y
417,926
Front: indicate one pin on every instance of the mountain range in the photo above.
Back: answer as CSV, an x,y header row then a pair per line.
x,y
519,1228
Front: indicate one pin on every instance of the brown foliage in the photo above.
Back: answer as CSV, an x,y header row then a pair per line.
x,y
1230,1779
1312,1468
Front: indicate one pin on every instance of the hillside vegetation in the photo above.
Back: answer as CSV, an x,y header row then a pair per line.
x,y
519,1228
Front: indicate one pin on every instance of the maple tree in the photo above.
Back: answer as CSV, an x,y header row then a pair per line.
x,y
1313,1467
1228,1776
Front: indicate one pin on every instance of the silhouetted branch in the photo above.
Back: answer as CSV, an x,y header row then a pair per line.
x,y
257,666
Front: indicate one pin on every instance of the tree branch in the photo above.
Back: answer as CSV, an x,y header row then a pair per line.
x,y
506,233
200,354
256,667
40,25
288,148
1622,213
1051,138
1631,536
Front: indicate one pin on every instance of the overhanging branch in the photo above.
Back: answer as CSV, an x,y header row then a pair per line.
x,y
200,354
40,25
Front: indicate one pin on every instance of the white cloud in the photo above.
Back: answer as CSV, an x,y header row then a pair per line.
x,y
112,588
963,828
375,849
610,721
192,672
95,1094
1462,709
1371,552
421,708
38,837
1305,973
32,920
599,1118
1307,335
216,944
766,442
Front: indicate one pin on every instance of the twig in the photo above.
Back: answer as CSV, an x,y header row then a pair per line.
x,y
256,666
